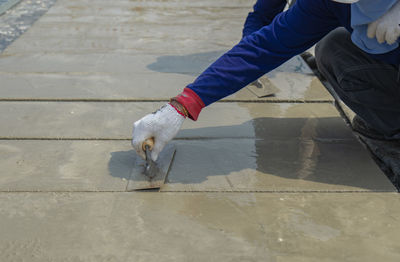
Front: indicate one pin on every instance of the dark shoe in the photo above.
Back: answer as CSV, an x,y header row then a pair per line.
x,y
361,127
310,60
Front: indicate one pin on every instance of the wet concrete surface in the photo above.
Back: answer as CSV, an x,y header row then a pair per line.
x,y
248,165
199,227
220,152
289,180
210,165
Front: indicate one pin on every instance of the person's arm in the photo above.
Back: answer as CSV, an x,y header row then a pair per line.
x,y
264,11
290,33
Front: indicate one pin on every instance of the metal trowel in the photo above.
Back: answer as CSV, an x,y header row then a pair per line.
x,y
263,87
149,174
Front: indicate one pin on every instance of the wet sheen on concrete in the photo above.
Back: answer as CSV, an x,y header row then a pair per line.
x,y
258,165
233,147
199,165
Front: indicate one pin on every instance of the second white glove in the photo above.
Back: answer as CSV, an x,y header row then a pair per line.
x,y
386,28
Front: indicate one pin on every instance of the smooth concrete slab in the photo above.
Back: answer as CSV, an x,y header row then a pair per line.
x,y
271,165
114,120
73,63
165,43
119,63
126,76
199,227
83,85
143,9
207,30
96,26
65,165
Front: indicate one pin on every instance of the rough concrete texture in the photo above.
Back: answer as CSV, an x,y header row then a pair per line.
x,y
199,227
291,182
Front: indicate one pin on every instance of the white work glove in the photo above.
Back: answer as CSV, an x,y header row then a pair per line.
x,y
387,27
162,125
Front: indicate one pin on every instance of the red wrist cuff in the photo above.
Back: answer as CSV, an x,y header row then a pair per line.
x,y
177,110
191,101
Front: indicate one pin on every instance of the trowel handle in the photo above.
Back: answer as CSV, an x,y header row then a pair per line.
x,y
148,142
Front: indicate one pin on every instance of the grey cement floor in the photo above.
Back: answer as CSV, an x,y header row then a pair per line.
x,y
280,178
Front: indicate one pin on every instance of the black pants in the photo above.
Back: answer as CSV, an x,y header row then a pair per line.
x,y
370,87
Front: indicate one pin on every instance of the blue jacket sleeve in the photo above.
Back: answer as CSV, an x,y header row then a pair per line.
x,y
264,11
290,33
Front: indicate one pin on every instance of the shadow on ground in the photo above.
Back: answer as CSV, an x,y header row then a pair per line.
x,y
195,64
312,149
192,64
120,164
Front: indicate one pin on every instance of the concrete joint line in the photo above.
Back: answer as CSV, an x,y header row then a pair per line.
x,y
66,138
205,191
294,101
111,139
85,100
175,139
278,101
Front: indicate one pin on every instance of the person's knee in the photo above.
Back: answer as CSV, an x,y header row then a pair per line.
x,y
327,49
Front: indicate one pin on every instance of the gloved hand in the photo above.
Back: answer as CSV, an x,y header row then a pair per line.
x,y
162,125
387,27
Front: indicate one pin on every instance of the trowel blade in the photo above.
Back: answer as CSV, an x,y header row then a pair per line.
x,y
150,169
140,179
263,87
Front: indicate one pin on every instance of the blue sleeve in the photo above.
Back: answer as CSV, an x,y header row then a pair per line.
x,y
291,33
263,14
